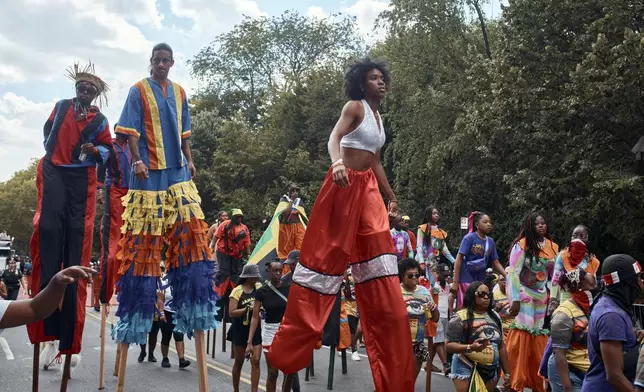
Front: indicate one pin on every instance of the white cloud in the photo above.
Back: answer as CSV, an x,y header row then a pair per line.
x,y
366,13
211,17
21,122
316,12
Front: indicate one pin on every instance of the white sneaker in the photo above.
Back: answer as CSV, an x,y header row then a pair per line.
x,y
355,356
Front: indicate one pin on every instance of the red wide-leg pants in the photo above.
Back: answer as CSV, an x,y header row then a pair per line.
x,y
348,225
63,234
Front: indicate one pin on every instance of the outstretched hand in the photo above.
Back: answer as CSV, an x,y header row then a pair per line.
x,y
74,274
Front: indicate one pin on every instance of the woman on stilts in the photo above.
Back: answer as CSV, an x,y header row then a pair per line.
x,y
350,225
532,261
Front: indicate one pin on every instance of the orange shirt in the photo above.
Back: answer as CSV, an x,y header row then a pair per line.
x,y
226,238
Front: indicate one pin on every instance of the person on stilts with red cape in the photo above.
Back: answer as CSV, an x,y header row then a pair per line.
x,y
349,224
77,137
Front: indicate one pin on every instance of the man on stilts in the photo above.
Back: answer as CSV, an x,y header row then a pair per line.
x,y
77,137
162,205
349,224
114,180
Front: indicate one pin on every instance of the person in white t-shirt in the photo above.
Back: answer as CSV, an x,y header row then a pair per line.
x,y
442,287
16,313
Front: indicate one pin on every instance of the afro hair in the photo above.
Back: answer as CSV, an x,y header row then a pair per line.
x,y
354,79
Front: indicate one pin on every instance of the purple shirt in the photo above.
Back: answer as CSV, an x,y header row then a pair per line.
x,y
116,172
607,322
472,248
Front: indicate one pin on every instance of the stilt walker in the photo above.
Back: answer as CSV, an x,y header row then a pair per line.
x,y
115,177
77,137
349,224
162,205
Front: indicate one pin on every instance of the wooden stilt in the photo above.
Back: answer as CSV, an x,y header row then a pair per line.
x,y
329,383
101,368
122,365
36,370
117,359
66,373
202,368
344,361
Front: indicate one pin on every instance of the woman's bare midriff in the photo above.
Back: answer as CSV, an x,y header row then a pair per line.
x,y
359,160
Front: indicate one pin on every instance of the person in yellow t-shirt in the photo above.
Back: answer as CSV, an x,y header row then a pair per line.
x,y
502,304
569,361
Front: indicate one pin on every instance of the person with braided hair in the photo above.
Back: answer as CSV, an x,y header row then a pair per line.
x,y
476,253
532,260
475,337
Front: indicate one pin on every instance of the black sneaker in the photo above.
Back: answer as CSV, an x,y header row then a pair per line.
x,y
151,358
97,309
183,363
141,356
165,363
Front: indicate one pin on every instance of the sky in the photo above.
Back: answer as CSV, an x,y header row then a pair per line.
x,y
39,39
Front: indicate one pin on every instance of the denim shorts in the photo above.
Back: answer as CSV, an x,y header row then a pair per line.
x,y
461,371
555,380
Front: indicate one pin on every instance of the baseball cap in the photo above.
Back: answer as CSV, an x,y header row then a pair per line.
x,y
293,257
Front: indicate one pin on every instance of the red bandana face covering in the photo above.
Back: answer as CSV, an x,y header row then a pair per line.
x,y
578,250
584,299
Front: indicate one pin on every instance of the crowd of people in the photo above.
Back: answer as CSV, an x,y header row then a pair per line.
x,y
548,320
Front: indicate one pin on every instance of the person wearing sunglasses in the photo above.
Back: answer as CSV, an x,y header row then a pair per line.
x,y
13,279
76,138
475,337
420,308
292,223
575,255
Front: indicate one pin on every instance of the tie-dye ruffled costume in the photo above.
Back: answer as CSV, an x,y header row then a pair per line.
x,y
164,208
526,342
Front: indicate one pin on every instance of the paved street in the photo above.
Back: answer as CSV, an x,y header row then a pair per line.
x,y
16,363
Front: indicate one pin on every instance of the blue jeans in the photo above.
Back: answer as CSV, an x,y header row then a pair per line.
x,y
555,381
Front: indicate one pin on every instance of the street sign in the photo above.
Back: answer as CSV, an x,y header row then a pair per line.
x,y
464,223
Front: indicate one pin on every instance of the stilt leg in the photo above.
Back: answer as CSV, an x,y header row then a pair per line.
x,y
201,361
117,359
329,383
36,370
122,365
344,361
214,342
66,373
101,368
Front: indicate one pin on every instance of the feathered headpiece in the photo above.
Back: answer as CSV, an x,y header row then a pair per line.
x,y
86,73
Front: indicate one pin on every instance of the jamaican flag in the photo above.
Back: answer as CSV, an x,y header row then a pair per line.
x,y
266,248
476,382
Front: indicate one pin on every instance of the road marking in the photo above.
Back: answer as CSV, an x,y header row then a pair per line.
x,y
348,353
6,349
208,362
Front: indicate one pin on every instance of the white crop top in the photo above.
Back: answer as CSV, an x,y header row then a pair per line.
x,y
367,136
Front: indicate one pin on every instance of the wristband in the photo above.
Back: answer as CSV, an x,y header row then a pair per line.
x,y
137,162
337,163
